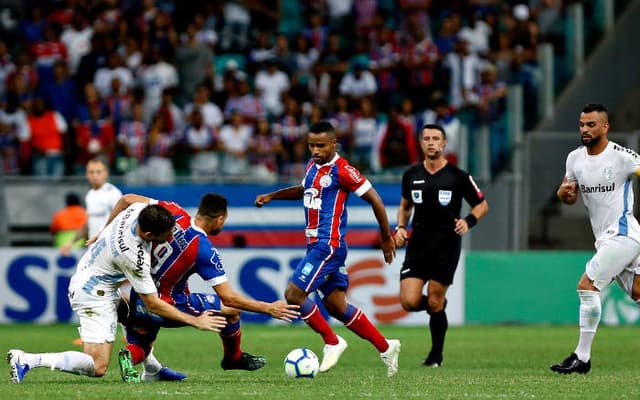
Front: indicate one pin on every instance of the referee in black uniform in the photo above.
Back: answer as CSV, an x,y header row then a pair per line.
x,y
435,189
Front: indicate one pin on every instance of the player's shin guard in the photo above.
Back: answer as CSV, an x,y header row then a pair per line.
x,y
310,314
590,311
357,322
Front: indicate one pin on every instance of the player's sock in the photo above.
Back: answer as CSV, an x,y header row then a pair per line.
x,y
356,321
137,353
310,314
73,362
424,303
590,311
151,365
231,336
438,325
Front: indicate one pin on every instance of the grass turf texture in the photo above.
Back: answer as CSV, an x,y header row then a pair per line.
x,y
480,362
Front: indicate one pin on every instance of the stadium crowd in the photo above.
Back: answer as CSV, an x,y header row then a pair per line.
x,y
223,88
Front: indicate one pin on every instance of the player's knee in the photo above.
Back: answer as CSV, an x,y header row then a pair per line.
x,y
410,303
435,304
100,370
293,295
233,317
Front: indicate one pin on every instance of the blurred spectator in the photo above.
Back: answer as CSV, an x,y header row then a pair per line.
x,y
33,26
77,38
290,129
113,69
358,83
172,116
318,90
24,78
397,145
205,33
7,66
235,138
271,83
305,56
249,106
340,15
364,12
447,35
67,221
213,117
131,53
261,52
194,61
365,131
342,120
265,152
47,51
316,31
93,60
384,60
235,31
132,140
489,100
45,145
95,137
90,97
13,130
202,146
118,104
283,54
420,61
155,76
477,33
162,140
334,60
61,93
463,70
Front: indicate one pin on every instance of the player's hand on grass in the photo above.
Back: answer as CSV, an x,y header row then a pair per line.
x,y
208,321
286,312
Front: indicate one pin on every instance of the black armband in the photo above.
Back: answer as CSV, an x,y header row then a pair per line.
x,y
471,220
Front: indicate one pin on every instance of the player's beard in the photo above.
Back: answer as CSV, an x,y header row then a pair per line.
x,y
591,141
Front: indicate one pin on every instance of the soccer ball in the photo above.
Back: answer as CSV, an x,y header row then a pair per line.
x,y
301,363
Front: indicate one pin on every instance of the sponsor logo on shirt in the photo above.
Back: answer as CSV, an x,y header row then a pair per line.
x,y
598,188
311,199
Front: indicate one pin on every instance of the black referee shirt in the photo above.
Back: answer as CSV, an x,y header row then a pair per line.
x,y
437,198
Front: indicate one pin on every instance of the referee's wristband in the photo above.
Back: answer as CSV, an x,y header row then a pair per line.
x,y
471,220
400,227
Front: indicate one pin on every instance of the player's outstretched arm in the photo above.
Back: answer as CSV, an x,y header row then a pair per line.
x,y
288,193
278,309
205,322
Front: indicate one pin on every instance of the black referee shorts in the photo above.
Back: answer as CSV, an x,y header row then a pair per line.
x,y
432,256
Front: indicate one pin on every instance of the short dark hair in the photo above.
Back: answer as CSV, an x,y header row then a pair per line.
x,y
212,205
155,219
322,126
72,199
591,107
434,126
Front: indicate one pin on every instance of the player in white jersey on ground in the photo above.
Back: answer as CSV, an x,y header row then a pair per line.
x,y
121,252
601,172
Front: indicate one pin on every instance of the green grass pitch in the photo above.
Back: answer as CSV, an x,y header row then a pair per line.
x,y
481,362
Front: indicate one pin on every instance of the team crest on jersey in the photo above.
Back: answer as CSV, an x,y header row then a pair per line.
x,y
416,196
444,197
326,181
607,173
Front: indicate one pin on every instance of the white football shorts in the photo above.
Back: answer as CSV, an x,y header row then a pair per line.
x,y
612,258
